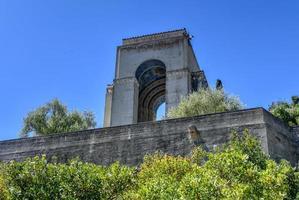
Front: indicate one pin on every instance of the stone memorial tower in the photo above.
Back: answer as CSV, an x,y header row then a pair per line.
x,y
150,70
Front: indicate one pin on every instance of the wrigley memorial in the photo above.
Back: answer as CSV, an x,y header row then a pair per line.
x,y
151,70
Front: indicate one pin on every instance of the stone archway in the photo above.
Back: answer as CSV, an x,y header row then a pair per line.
x,y
151,76
151,69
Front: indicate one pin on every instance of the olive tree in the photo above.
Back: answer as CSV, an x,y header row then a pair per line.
x,y
204,102
54,118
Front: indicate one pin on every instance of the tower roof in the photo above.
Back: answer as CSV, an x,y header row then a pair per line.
x,y
155,36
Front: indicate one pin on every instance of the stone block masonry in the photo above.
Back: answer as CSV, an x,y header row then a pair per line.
x,y
129,143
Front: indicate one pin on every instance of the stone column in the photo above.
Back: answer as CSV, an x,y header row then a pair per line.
x,y
177,87
125,101
108,105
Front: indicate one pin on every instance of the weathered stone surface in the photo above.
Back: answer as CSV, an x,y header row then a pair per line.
x,y
281,139
151,69
128,144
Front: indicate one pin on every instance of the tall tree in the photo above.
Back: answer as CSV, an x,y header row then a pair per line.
x,y
54,118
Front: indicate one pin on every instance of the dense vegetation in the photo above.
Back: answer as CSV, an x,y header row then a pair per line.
x,y
239,170
204,102
53,118
288,112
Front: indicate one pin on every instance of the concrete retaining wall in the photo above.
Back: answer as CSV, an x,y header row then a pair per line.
x,y
128,144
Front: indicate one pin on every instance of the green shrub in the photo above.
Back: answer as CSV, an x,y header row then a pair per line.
x,y
159,177
240,170
204,102
237,170
37,179
4,194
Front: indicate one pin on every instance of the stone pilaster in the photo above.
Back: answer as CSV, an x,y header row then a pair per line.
x,y
125,101
177,87
108,105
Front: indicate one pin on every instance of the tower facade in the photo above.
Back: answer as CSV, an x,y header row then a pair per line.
x,y
151,70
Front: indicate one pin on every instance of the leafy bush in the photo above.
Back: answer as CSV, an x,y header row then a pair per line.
x,y
288,112
238,170
37,179
4,194
159,177
204,102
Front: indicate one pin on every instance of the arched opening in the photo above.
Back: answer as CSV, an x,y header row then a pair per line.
x,y
161,111
151,76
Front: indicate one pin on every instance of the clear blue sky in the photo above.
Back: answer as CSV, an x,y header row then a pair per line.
x,y
66,49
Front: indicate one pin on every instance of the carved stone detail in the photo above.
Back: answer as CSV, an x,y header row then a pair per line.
x,y
195,137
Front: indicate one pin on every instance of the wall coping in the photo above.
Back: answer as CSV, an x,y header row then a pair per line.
x,y
134,125
155,36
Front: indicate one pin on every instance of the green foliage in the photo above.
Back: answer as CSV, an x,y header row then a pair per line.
x,y
37,179
238,170
4,194
54,118
288,112
204,102
250,146
159,177
296,185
